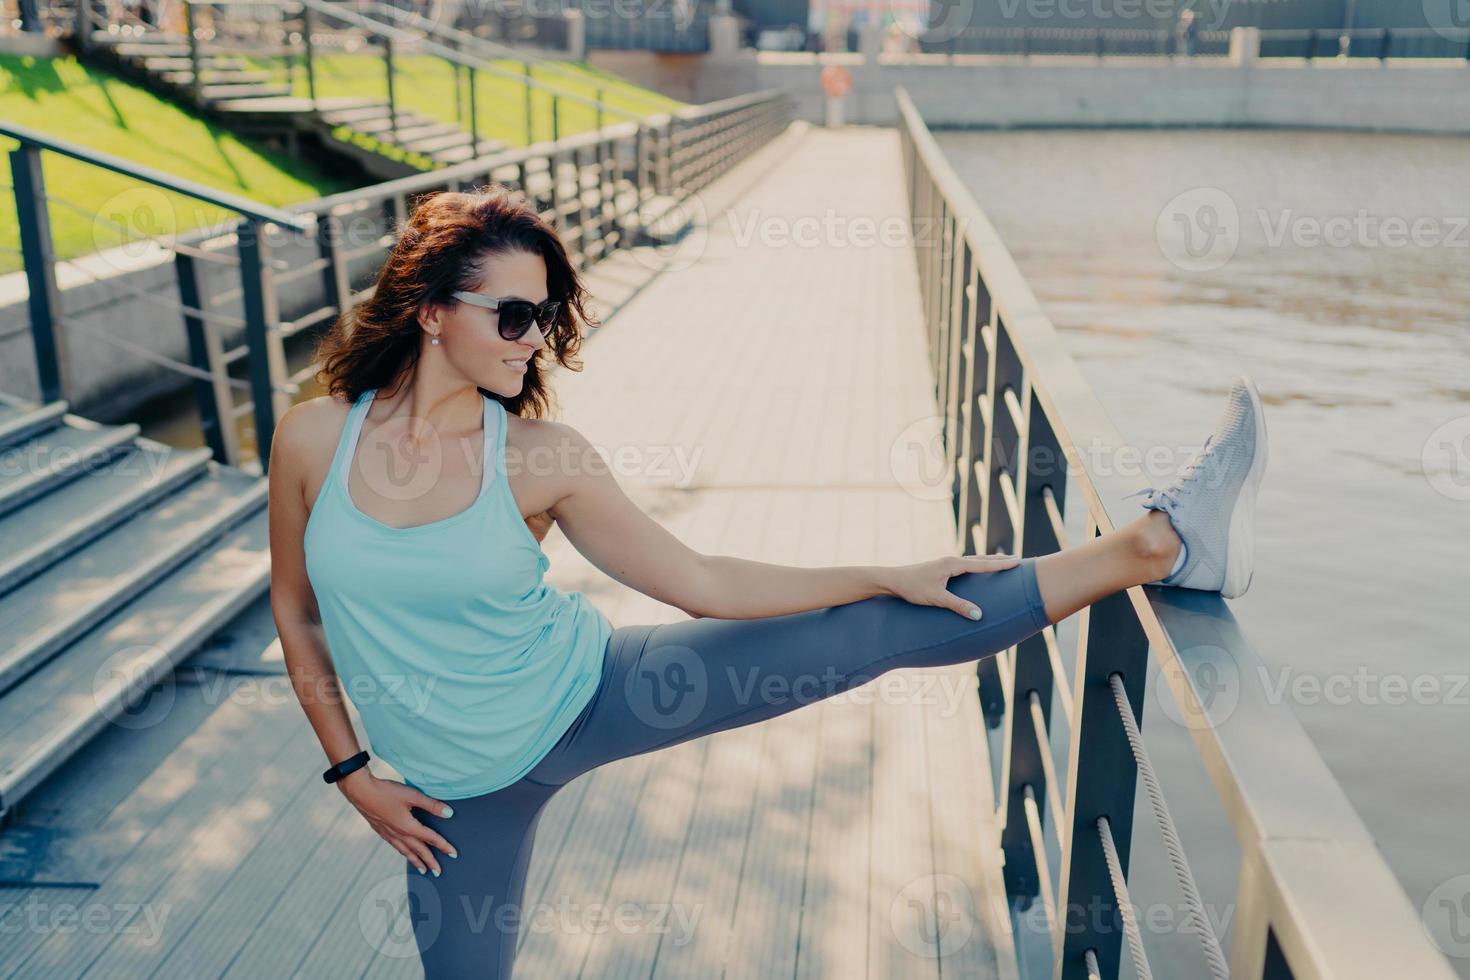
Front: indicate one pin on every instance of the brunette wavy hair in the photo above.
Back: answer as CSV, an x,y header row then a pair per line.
x,y
376,343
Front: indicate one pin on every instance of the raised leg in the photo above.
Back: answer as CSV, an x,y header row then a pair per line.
x,y
672,682
1141,551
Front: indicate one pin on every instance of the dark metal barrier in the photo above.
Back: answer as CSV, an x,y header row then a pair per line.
x,y
1380,43
1023,434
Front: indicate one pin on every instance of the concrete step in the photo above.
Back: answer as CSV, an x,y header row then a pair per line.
x,y
50,610
57,709
458,154
48,457
119,556
162,64
444,139
249,91
20,420
37,536
150,36
137,48
217,76
247,644
382,126
377,110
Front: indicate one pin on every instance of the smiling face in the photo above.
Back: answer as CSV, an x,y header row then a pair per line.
x,y
470,335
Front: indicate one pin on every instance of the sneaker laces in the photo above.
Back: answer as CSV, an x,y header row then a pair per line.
x,y
1168,498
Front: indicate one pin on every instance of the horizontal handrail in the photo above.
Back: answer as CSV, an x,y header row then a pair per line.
x,y
434,179
1311,879
1274,33
107,161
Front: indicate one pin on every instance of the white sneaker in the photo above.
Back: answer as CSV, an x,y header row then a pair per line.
x,y
1212,503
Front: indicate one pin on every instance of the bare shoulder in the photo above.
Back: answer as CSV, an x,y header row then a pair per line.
x,y
525,435
548,460
306,437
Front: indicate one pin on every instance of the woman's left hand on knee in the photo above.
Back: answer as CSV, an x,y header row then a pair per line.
x,y
927,583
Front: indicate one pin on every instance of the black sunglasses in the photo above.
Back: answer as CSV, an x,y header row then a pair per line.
x,y
516,315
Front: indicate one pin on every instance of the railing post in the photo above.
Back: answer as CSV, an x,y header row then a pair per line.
x,y
392,100
266,360
212,397
83,29
1023,762
530,107
943,353
307,27
30,17
474,114
192,36
998,471
639,149
37,253
972,442
336,283
1101,782
459,98
670,175
553,170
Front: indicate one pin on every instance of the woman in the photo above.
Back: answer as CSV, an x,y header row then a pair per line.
x,y
406,569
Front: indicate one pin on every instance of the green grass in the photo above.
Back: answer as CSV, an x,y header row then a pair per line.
x,y
426,84
93,209
78,103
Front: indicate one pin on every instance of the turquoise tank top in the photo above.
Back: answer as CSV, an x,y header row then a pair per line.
x,y
464,666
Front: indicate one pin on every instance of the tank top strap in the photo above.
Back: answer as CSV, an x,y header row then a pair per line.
x,y
347,444
489,452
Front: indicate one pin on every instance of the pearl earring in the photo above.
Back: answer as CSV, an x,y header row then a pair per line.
x,y
433,340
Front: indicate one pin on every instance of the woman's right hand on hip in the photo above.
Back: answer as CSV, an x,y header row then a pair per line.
x,y
387,806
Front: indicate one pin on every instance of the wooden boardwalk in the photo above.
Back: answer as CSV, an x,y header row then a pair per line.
x,y
818,844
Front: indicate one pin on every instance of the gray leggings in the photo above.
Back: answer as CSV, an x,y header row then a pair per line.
x,y
669,683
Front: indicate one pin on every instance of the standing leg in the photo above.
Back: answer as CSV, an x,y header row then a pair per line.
x,y
672,682
466,920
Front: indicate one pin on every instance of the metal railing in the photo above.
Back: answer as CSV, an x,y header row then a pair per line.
x,y
1381,43
602,190
288,37
1024,433
656,29
47,17
473,42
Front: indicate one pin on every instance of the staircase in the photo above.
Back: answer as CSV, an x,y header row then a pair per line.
x,y
119,557
250,101
161,60
441,142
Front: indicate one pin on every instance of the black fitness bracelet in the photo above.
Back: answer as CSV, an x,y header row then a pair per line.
x,y
345,767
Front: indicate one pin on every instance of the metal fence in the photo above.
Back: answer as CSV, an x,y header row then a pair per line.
x,y
602,190
1024,433
1381,43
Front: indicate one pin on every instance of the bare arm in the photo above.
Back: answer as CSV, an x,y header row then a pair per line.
x,y
628,545
309,665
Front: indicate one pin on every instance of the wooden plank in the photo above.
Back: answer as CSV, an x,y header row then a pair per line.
x,y
718,833
767,915
173,818
903,904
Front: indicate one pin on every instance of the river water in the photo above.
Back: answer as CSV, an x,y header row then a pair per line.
x,y
1335,269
